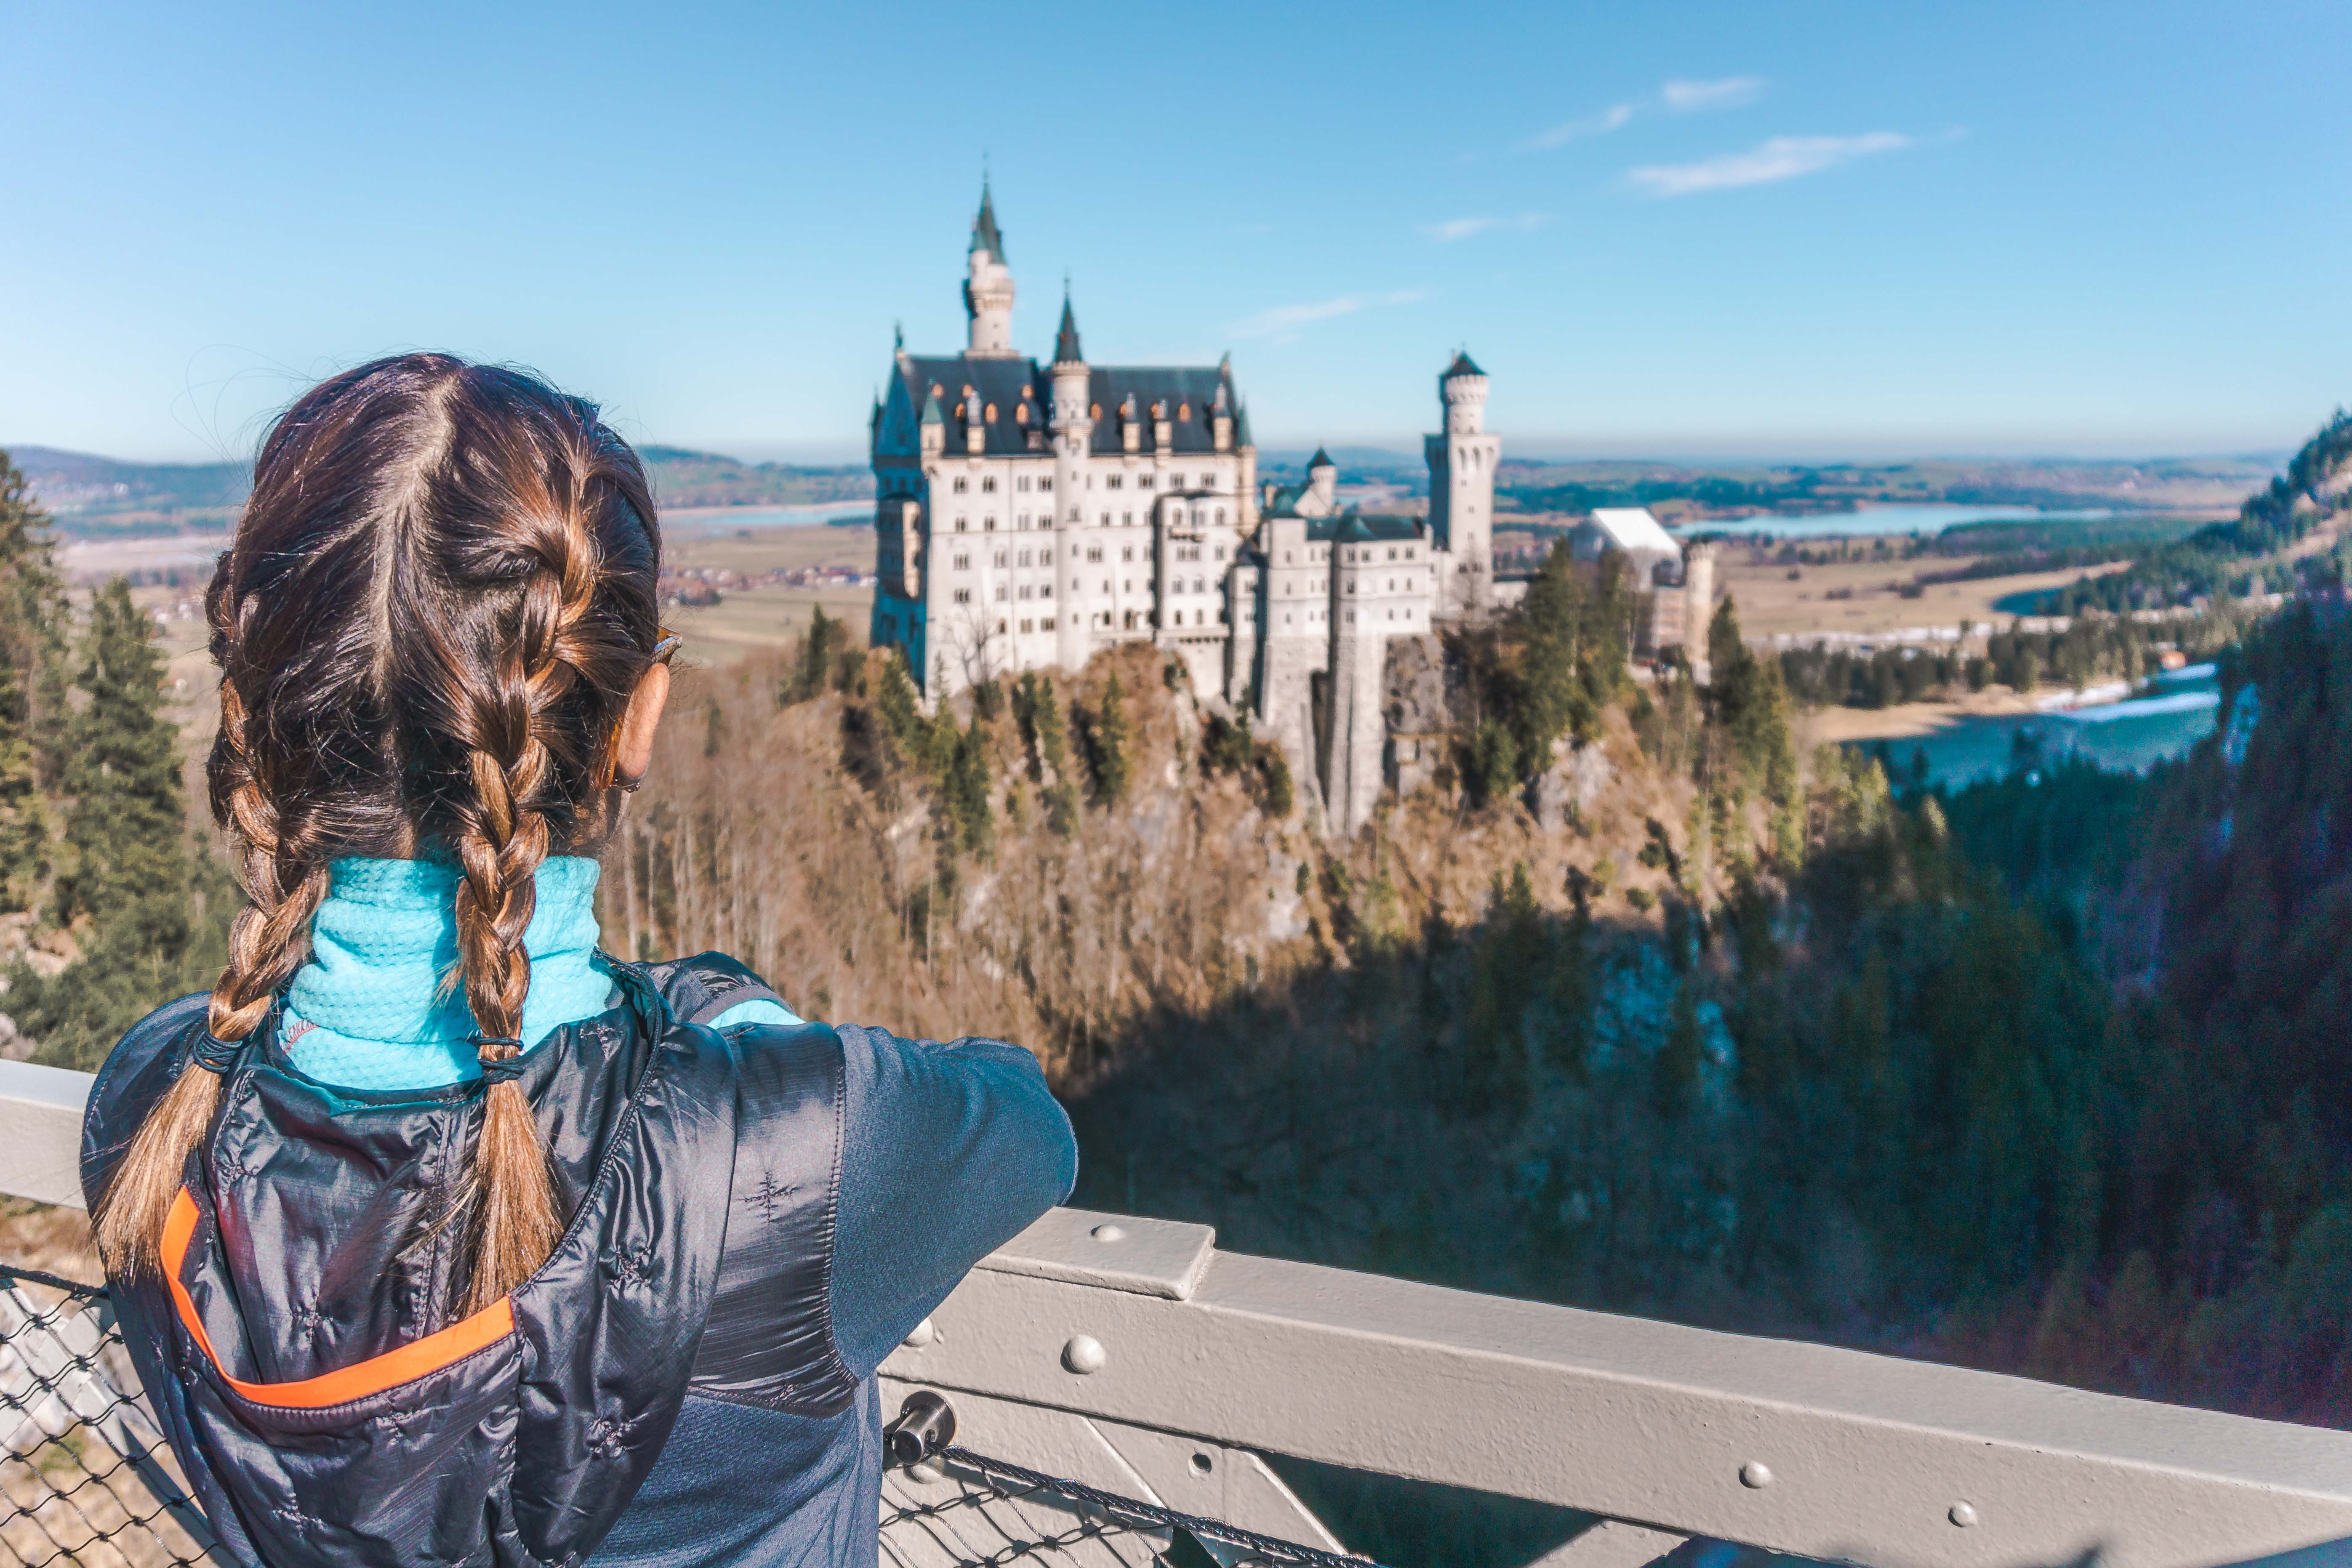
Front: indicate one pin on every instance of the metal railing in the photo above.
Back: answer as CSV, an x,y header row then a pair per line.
x,y
1132,1356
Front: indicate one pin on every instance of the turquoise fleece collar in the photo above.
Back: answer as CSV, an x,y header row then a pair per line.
x,y
368,1010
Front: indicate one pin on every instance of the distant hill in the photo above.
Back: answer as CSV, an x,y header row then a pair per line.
x,y
95,495
685,477
2196,486
91,496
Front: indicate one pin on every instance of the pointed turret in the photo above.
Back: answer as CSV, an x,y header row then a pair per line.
x,y
933,436
1321,459
1462,366
1066,343
984,236
988,288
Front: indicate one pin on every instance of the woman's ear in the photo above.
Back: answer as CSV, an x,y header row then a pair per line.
x,y
633,754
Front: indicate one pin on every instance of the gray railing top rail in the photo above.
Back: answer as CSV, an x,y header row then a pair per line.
x,y
1130,1352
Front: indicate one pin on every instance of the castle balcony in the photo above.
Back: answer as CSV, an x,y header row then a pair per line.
x,y
1119,1385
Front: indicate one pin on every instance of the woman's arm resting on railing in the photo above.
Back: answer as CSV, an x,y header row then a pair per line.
x,y
951,1151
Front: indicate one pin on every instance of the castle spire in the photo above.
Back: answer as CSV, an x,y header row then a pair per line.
x,y
984,234
1066,345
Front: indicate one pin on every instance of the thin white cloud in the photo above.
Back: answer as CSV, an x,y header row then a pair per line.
x,y
1682,95
1781,158
1612,117
1283,322
1456,229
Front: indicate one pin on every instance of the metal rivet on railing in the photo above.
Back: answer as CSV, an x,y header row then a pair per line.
x,y
1963,1515
922,1334
1109,1233
1756,1475
1084,1355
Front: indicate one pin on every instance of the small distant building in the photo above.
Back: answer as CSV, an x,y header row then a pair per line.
x,y
1674,588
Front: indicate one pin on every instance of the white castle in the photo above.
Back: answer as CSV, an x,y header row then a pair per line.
x,y
1029,515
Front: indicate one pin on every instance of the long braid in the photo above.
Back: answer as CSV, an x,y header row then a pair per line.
x,y
503,838
268,942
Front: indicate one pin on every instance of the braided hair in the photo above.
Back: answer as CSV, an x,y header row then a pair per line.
x,y
437,606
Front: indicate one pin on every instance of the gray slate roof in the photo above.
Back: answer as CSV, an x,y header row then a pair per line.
x,y
1008,383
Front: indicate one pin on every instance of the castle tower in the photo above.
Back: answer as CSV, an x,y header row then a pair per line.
x,y
1322,497
1698,599
987,291
1072,430
1462,493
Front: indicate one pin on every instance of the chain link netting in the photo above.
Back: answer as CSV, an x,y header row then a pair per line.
x,y
86,1477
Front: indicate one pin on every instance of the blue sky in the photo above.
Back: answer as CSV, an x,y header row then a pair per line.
x,y
1752,229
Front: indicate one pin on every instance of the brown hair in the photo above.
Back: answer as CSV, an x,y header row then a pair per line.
x,y
438,602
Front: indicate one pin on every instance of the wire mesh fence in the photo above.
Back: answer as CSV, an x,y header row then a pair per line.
x,y
86,1477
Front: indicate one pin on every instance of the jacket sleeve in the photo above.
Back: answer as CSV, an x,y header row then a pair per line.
x,y
948,1151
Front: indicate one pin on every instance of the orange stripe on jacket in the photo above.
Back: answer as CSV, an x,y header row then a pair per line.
x,y
373,1375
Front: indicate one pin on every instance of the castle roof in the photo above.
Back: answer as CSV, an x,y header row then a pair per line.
x,y
1632,527
1462,366
1066,343
1188,393
1321,459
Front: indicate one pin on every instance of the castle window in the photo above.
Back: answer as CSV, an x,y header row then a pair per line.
x,y
961,484
1106,519
1022,484
1026,626
1025,591
988,524
963,596
959,525
1221,514
963,562
1145,481
999,558
1025,558
1093,552
1000,593
1127,553
1046,625
1112,482
1127,519
1025,520
1045,482
1220,553
1045,590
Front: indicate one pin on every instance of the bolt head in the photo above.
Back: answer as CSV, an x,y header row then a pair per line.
x,y
922,1334
1109,1233
1084,1355
1963,1514
1756,1475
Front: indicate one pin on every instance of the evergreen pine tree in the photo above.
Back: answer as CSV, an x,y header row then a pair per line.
x,y
127,830
30,609
1109,744
150,916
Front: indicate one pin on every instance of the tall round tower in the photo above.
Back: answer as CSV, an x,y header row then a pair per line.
x,y
987,291
1461,462
1072,432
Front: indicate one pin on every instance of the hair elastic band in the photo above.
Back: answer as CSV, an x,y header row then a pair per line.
x,y
506,1068
214,1054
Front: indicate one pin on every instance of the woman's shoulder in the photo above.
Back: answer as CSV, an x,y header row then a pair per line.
x,y
135,1075
714,989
